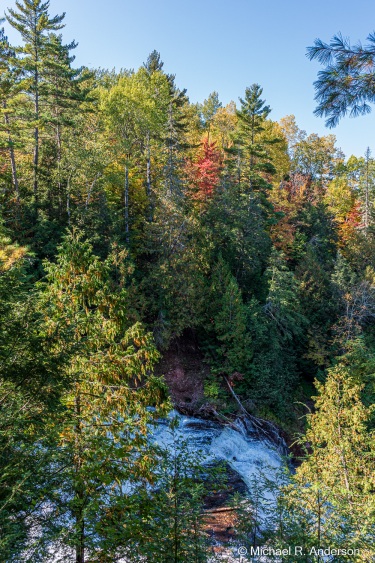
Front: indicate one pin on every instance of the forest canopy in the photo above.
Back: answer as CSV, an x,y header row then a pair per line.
x,y
135,222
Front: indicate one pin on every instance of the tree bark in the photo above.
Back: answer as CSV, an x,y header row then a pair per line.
x,y
79,491
126,202
36,140
148,179
12,157
90,191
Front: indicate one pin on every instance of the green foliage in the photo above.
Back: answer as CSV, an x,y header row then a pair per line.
x,y
316,157
30,390
330,501
228,317
175,524
275,327
105,408
253,145
272,278
212,389
345,86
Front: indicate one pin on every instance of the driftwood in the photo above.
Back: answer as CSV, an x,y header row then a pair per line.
x,y
236,398
265,428
219,510
227,420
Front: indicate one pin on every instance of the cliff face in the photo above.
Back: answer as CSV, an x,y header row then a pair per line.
x,y
241,444
184,371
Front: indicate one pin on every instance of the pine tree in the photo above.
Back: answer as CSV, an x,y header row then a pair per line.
x,y
9,85
331,495
34,23
346,84
228,316
256,165
153,63
65,95
275,327
101,430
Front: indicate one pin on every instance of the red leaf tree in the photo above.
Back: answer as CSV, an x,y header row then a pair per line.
x,y
204,174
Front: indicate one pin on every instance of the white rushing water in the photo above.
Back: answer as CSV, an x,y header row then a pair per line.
x,y
246,454
252,457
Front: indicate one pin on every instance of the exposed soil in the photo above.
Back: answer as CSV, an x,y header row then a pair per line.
x,y
184,371
220,524
220,516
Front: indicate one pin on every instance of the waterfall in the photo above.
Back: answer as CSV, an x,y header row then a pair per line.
x,y
246,448
249,446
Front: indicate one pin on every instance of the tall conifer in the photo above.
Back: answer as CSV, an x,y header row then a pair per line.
x,y
33,22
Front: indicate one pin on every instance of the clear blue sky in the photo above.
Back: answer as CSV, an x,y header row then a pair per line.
x,y
225,46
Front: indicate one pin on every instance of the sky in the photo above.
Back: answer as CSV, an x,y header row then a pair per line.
x,y
225,46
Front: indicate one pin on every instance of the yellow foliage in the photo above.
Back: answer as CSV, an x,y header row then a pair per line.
x,y
10,254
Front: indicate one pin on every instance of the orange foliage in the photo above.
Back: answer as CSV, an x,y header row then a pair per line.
x,y
288,200
204,174
352,222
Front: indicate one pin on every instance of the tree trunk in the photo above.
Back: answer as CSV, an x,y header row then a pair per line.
x,y
90,191
238,168
126,201
148,179
79,490
12,157
36,140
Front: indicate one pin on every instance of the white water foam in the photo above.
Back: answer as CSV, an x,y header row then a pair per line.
x,y
245,454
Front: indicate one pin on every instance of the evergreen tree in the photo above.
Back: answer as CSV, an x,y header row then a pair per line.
x,y
30,392
33,22
9,86
102,428
65,94
275,328
228,314
153,63
255,166
346,85
331,496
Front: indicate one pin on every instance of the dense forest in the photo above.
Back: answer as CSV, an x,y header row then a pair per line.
x,y
134,222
